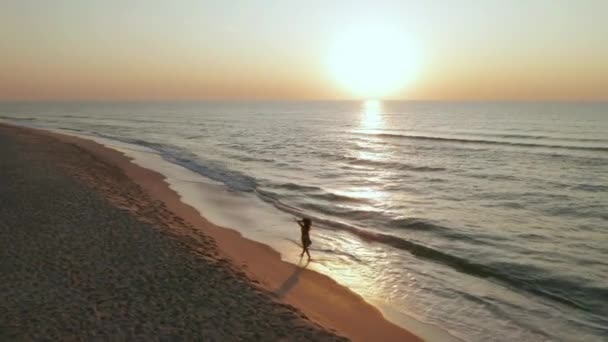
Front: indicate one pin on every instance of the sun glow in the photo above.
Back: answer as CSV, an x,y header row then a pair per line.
x,y
373,62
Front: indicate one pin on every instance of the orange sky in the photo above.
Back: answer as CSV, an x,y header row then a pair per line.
x,y
470,50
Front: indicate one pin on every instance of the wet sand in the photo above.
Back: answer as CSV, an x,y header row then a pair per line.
x,y
94,246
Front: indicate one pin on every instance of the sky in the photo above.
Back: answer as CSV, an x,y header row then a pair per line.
x,y
267,49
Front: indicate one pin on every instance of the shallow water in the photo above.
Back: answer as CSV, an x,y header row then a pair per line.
x,y
488,220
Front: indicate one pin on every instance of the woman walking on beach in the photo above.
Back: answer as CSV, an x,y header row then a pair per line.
x,y
305,224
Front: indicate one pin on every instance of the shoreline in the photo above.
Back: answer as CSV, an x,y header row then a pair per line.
x,y
319,297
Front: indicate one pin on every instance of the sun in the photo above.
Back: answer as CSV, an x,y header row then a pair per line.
x,y
373,62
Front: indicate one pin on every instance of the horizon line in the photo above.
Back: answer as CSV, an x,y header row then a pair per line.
x,y
220,100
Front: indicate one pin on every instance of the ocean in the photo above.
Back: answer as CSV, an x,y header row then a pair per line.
x,y
486,221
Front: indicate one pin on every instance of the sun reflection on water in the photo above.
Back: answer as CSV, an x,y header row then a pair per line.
x,y
354,263
371,119
371,115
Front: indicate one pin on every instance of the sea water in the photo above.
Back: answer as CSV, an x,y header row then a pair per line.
x,y
488,221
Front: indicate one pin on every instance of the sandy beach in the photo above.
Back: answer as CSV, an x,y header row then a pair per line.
x,y
94,246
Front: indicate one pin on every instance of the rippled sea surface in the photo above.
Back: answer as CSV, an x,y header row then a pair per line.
x,y
489,220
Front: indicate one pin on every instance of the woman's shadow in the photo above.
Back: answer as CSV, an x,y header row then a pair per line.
x,y
292,280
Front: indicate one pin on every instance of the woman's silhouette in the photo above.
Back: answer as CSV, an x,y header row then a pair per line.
x,y
305,224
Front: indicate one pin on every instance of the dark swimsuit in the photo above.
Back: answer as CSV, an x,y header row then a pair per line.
x,y
305,237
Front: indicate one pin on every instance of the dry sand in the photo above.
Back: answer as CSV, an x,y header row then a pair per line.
x,y
144,264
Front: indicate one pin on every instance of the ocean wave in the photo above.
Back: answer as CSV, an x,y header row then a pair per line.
x,y
415,223
194,137
18,118
393,165
535,137
526,278
333,197
484,142
523,277
343,211
70,116
234,180
591,187
296,187
71,129
494,177
316,193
